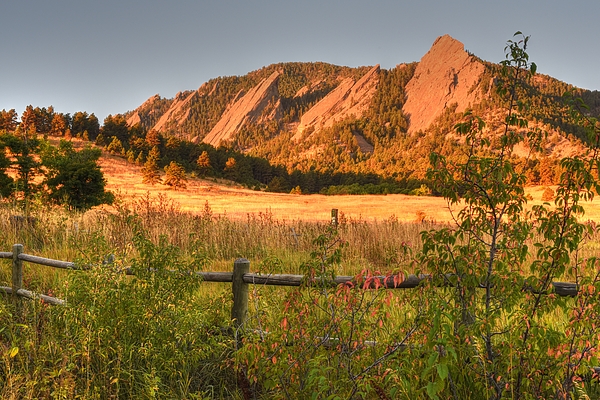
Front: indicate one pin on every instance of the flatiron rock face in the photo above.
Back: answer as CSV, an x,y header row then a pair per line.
x,y
178,112
348,98
447,74
260,103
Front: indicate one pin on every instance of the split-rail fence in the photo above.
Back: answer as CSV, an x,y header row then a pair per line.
x,y
240,277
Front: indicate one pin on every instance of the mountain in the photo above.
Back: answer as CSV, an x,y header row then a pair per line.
x,y
322,117
259,105
349,98
447,74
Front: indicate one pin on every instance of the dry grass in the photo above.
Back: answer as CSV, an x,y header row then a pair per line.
x,y
236,202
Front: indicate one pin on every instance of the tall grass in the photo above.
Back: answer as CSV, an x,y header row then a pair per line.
x,y
150,336
161,335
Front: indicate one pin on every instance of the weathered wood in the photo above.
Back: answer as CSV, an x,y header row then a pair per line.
x,y
32,296
239,310
388,282
17,277
334,217
273,279
216,276
47,261
17,268
565,288
393,282
373,282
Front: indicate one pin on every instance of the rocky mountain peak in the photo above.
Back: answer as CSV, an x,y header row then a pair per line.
x,y
178,112
447,74
136,117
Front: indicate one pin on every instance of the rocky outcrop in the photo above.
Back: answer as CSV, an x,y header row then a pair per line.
x,y
447,74
147,107
260,104
363,145
348,98
177,113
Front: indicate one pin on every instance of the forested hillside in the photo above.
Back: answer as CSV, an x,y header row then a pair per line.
x,y
378,140
317,127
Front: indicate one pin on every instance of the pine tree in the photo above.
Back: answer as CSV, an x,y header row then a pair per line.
x,y
130,156
58,125
150,169
116,147
175,176
6,182
153,138
28,119
8,120
140,158
203,163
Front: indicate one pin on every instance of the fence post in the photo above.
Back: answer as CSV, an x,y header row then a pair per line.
x,y
17,271
239,311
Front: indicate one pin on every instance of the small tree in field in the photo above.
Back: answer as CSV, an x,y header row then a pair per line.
x,y
548,194
496,322
116,147
150,170
203,163
74,178
231,170
175,176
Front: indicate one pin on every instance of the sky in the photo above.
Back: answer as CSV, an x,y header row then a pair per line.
x,y
107,57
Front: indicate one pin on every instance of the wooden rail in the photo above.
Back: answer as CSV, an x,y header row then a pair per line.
x,y
240,278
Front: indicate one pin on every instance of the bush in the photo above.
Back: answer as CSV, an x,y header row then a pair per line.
x,y
142,336
548,194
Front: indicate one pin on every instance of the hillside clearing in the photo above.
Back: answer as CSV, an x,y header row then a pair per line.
x,y
234,201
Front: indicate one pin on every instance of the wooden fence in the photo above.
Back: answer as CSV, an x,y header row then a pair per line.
x,y
240,277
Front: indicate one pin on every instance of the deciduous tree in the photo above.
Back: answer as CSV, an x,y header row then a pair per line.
x,y
73,178
203,163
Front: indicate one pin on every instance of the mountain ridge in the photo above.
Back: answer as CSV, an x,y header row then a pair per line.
x,y
318,116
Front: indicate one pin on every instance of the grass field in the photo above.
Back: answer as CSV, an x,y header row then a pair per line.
x,y
235,201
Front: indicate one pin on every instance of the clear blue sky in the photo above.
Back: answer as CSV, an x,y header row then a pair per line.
x,y
109,56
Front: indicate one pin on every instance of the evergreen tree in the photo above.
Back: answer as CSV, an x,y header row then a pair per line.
x,y
140,158
130,156
231,170
150,169
203,163
82,122
116,126
116,147
8,120
22,148
278,184
175,176
28,119
153,138
100,140
58,125
6,182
